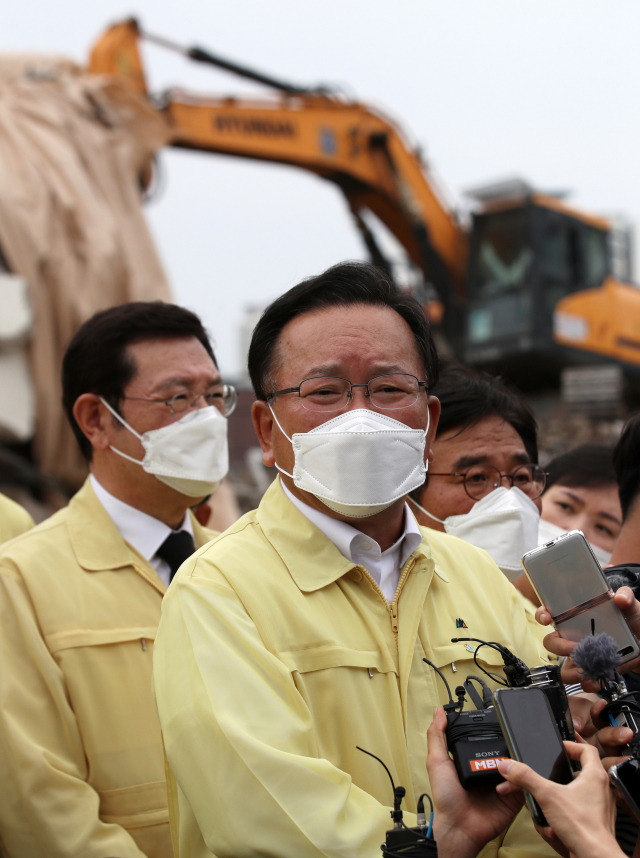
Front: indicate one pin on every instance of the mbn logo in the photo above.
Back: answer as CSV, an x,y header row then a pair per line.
x,y
460,624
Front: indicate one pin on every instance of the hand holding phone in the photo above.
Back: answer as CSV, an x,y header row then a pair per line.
x,y
574,591
581,814
625,777
533,738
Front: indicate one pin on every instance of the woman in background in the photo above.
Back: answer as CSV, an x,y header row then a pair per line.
x,y
581,493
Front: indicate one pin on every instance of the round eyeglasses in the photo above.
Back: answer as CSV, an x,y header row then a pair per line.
x,y
480,480
330,393
224,397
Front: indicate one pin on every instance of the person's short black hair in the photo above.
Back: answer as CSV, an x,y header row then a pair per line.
x,y
342,285
468,396
586,466
97,361
626,464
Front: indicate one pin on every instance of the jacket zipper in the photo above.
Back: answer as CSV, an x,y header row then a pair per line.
x,y
394,605
375,585
392,609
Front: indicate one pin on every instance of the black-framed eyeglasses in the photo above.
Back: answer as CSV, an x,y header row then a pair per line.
x,y
479,480
388,392
224,398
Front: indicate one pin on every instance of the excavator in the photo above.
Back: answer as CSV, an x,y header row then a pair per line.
x,y
524,289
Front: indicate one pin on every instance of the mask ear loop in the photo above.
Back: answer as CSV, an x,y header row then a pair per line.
x,y
126,425
286,473
425,511
426,432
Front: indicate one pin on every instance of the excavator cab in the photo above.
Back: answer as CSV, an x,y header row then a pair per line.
x,y
525,256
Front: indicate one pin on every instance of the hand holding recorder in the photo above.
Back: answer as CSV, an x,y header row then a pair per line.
x,y
577,815
465,820
580,815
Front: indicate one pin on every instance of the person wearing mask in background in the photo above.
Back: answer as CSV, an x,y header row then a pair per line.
x,y
484,484
14,519
300,632
81,760
582,494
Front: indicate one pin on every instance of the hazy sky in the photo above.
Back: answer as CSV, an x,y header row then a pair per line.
x,y
549,91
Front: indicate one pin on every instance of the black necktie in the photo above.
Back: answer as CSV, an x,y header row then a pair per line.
x,y
176,548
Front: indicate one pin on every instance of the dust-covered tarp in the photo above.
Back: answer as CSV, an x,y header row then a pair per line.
x,y
72,148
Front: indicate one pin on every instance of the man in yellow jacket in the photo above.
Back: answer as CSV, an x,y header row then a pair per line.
x,y
300,632
81,760
14,519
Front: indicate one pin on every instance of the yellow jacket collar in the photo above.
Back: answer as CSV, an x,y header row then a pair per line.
x,y
96,540
292,535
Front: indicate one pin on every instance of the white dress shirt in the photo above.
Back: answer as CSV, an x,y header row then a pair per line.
x,y
383,566
144,532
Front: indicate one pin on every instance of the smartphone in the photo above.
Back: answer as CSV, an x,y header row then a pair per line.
x,y
626,778
573,588
533,737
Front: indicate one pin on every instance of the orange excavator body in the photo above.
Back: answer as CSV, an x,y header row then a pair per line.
x,y
505,305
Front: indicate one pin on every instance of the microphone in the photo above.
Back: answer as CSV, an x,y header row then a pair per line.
x,y
401,841
596,656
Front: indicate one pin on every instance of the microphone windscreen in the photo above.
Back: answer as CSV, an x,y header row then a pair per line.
x,y
596,656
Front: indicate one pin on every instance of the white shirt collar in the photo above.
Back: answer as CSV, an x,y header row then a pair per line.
x,y
364,550
144,532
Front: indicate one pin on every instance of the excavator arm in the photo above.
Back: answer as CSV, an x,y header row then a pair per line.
x,y
367,156
357,148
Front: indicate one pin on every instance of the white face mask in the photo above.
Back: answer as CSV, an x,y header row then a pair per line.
x,y
358,463
548,531
190,455
504,523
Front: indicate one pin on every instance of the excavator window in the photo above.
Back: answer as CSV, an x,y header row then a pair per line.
x,y
524,260
559,254
560,258
596,257
572,256
501,262
503,255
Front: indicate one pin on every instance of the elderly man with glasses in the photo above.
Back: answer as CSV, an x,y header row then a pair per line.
x,y
484,484
300,633
81,761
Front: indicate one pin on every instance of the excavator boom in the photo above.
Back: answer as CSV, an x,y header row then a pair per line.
x,y
347,143
527,291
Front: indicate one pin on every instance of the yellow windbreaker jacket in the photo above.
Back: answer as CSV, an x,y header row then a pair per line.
x,y
14,519
276,656
81,760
